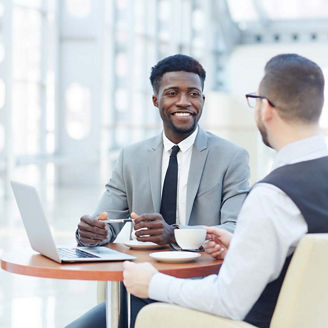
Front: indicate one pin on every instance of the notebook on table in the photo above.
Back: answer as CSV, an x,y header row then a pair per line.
x,y
40,236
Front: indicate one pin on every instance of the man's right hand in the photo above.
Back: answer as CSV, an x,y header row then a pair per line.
x,y
152,227
217,242
92,231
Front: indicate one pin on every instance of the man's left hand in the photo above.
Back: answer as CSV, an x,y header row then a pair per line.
x,y
137,278
152,227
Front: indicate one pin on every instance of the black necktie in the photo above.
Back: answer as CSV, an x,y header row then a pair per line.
x,y
169,194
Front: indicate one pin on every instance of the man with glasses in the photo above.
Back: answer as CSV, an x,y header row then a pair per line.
x,y
288,203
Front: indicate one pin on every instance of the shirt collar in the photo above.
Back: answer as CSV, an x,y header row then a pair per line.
x,y
184,145
301,150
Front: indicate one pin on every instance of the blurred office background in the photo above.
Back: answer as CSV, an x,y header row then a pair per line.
x,y
74,89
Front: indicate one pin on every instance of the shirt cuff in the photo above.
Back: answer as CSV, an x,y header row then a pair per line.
x,y
160,286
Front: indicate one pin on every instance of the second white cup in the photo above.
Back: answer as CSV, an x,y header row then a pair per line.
x,y
191,238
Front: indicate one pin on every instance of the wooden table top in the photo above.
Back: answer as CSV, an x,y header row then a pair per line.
x,y
27,262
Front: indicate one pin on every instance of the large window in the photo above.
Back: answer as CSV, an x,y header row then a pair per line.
x,y
78,88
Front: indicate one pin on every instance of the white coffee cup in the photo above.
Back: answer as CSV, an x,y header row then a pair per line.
x,y
191,238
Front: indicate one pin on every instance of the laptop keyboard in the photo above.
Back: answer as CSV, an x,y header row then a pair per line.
x,y
74,253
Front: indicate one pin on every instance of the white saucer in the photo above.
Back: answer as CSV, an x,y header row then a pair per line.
x,y
174,256
135,244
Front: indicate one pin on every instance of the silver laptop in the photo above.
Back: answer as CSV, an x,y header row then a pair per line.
x,y
40,236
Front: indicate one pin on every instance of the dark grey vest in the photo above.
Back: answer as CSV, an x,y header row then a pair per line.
x,y
306,183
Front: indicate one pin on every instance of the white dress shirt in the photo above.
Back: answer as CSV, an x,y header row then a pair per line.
x,y
184,158
268,229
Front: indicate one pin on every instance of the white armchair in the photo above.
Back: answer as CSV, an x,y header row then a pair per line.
x,y
302,303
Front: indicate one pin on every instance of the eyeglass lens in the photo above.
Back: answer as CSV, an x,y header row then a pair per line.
x,y
251,102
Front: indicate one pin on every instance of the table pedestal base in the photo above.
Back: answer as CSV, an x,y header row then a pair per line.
x,y
112,303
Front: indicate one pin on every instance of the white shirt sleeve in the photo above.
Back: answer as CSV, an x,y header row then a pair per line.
x,y
268,229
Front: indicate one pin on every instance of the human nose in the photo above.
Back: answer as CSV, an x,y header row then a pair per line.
x,y
183,100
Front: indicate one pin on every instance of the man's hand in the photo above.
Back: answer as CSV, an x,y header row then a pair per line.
x,y
152,227
91,230
218,241
137,278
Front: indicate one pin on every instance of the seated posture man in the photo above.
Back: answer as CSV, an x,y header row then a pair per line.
x,y
176,176
290,202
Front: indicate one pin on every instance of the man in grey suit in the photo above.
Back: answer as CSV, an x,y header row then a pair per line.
x,y
212,178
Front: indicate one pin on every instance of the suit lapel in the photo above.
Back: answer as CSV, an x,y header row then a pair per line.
x,y
155,171
198,158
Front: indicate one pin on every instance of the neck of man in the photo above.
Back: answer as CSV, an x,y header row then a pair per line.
x,y
288,133
176,138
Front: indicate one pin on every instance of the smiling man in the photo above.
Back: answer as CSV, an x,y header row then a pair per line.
x,y
184,176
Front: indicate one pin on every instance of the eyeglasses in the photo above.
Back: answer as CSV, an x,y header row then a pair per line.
x,y
251,100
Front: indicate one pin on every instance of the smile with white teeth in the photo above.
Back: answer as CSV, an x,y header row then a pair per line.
x,y
182,114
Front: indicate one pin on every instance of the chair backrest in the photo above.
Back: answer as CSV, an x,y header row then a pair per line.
x,y
303,299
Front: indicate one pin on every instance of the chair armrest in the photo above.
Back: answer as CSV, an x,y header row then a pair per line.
x,y
168,315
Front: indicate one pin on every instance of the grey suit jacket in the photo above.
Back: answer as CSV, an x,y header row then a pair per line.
x,y
217,183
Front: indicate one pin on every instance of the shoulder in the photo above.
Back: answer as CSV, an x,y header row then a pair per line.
x,y
266,191
271,201
143,146
219,145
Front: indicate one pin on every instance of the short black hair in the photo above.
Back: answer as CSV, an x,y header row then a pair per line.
x,y
175,63
295,85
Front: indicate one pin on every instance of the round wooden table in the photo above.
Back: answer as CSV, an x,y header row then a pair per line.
x,y
27,262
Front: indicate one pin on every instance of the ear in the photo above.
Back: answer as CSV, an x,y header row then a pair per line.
x,y
267,111
155,100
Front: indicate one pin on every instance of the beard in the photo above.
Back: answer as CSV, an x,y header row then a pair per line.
x,y
183,130
186,130
264,134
